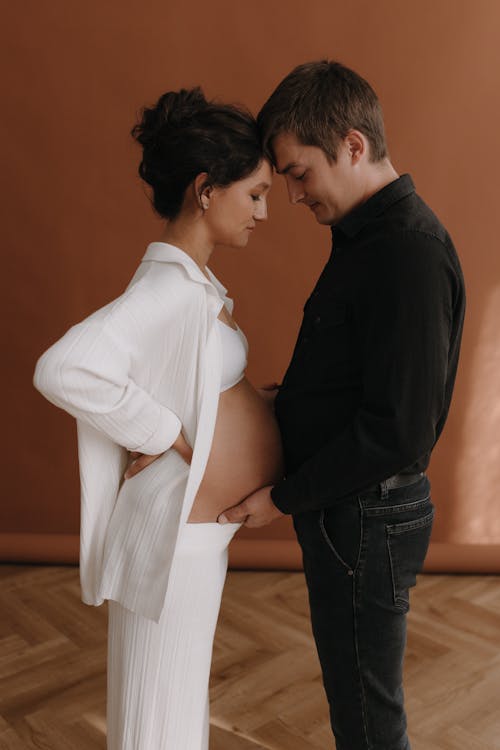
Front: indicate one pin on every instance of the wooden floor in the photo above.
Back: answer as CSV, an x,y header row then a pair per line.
x,y
266,688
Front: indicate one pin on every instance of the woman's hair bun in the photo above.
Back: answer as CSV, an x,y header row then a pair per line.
x,y
174,109
183,135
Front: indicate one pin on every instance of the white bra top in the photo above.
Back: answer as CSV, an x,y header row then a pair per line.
x,y
234,355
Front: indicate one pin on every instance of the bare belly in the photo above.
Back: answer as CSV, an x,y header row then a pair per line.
x,y
246,452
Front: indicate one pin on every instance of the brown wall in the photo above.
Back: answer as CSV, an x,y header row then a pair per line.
x,y
76,220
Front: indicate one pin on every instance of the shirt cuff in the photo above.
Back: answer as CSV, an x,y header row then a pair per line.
x,y
166,433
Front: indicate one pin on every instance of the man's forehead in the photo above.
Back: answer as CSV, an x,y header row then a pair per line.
x,y
288,152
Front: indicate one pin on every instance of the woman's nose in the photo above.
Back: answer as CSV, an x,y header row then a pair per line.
x,y
260,213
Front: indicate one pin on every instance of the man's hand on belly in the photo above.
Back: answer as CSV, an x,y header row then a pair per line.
x,y
255,510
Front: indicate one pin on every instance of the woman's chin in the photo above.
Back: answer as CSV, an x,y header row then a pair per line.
x,y
238,242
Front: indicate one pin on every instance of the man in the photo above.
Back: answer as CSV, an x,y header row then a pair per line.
x,y
365,396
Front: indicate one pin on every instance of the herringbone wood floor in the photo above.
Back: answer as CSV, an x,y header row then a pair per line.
x,y
266,688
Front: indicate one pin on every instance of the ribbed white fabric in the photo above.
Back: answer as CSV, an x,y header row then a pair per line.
x,y
158,673
132,373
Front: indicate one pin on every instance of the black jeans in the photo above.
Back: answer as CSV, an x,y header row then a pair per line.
x,y
361,556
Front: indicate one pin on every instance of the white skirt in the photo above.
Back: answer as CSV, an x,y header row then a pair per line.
x,y
158,673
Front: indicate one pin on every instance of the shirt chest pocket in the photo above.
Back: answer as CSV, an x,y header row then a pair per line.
x,y
328,317
331,337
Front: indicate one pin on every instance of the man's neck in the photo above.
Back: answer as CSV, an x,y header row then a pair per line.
x,y
377,177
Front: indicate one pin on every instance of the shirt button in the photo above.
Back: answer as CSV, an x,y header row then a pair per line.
x,y
317,319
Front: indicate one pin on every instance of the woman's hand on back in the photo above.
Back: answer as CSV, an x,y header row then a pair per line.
x,y
139,461
183,448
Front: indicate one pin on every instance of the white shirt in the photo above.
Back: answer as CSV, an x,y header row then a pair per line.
x,y
132,373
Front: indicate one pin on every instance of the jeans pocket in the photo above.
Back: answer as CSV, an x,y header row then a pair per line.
x,y
341,528
407,545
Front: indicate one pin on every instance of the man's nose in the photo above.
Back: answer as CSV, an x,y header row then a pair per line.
x,y
295,191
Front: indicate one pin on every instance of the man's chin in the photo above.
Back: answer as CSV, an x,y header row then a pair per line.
x,y
325,220
321,216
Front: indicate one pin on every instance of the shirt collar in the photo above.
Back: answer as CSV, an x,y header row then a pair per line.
x,y
377,204
166,253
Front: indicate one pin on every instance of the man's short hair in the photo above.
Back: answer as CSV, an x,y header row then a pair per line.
x,y
319,102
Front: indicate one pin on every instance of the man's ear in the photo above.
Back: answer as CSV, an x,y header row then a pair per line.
x,y
357,145
202,190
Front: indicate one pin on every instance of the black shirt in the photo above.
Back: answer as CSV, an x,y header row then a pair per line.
x,y
369,385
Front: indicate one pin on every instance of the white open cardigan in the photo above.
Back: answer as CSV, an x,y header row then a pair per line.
x,y
132,374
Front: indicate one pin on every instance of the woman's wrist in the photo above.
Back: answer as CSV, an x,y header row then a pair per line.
x,y
183,448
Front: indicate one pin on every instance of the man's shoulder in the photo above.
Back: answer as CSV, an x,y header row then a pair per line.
x,y
410,217
409,228
408,251
419,217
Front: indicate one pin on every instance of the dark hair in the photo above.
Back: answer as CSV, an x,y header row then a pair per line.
x,y
184,135
319,102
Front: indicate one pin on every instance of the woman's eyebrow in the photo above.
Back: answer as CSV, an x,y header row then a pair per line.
x,y
263,185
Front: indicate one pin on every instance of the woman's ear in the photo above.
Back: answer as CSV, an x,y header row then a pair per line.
x,y
202,190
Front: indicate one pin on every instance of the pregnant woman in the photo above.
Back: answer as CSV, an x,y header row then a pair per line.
x,y
170,432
